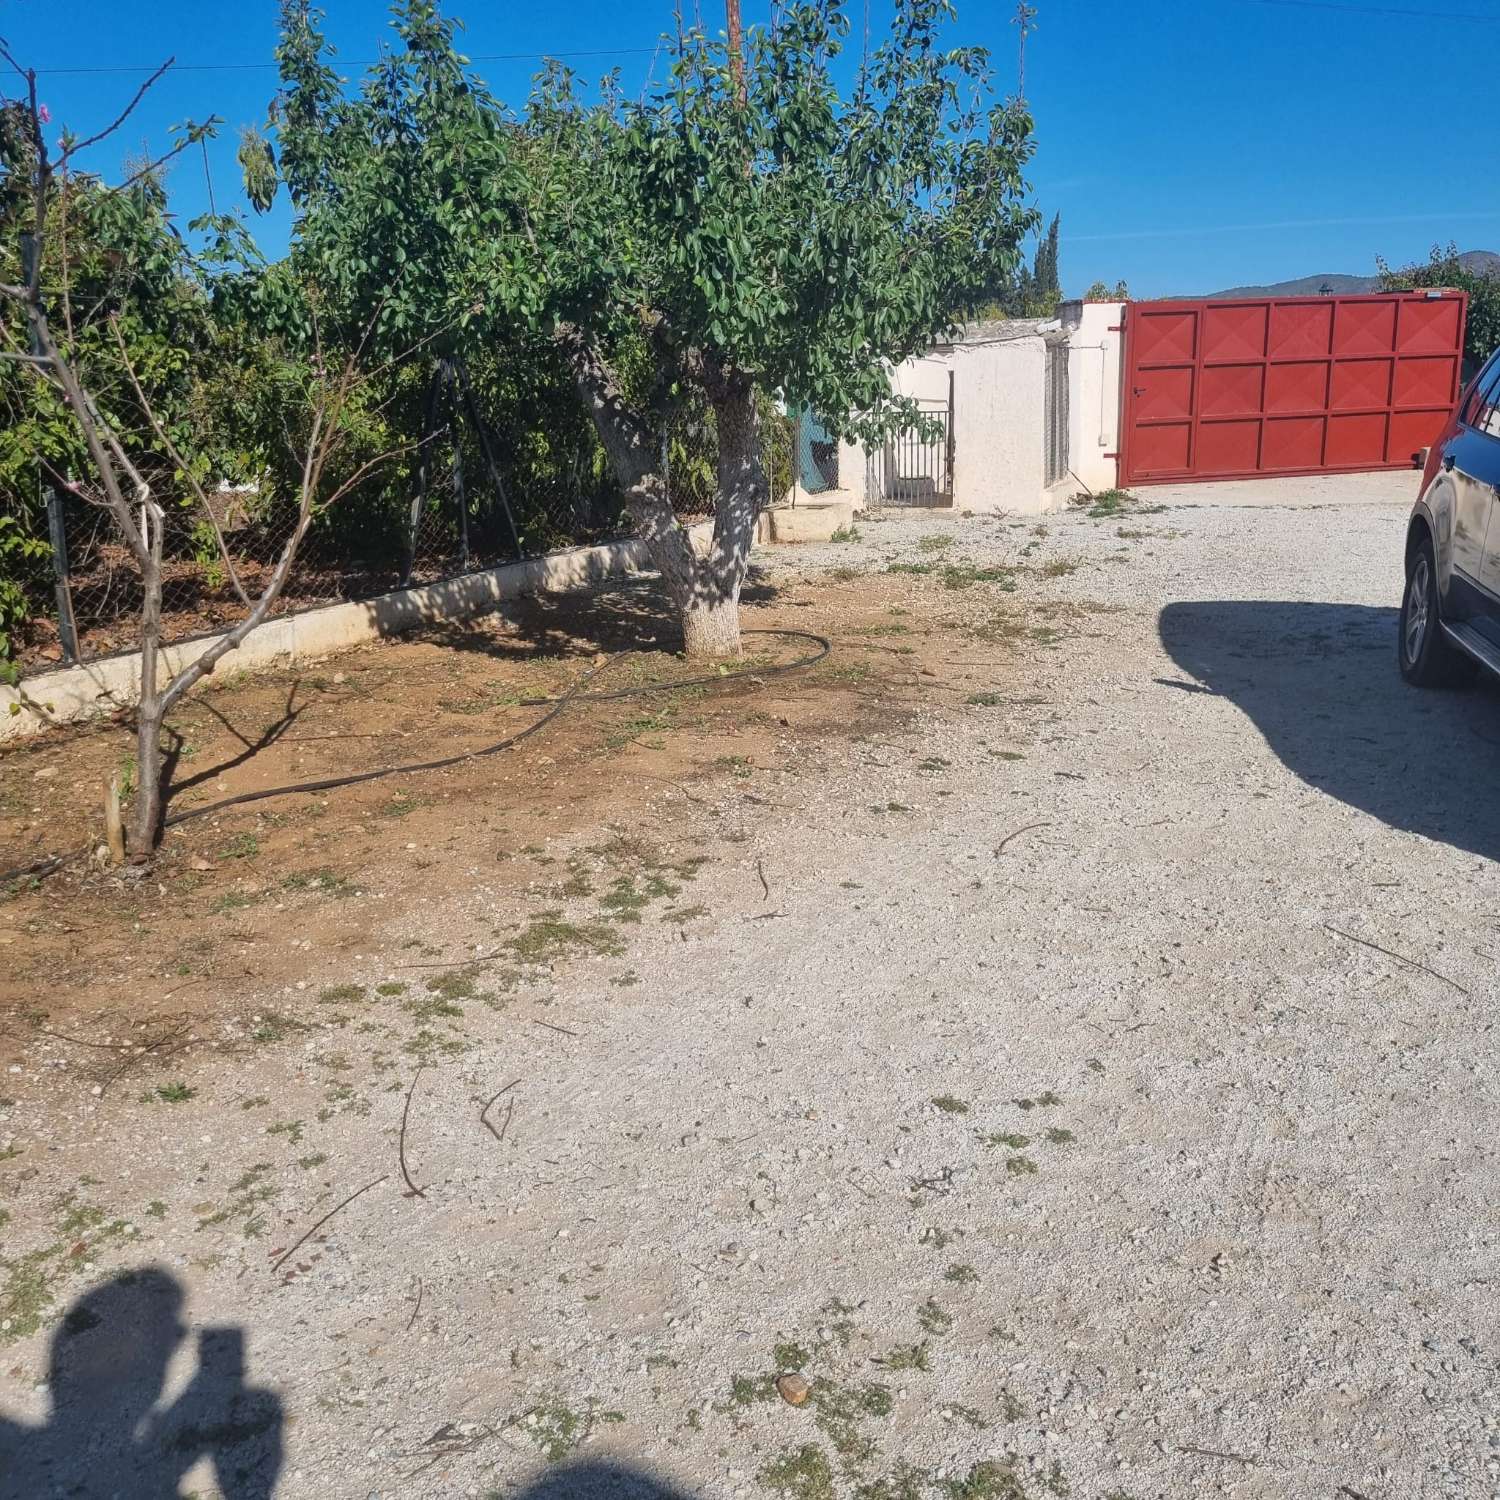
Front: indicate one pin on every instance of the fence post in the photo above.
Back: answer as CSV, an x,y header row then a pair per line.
x,y
67,626
460,499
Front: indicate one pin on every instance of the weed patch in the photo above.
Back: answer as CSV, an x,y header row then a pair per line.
x,y
800,1474
544,940
169,1093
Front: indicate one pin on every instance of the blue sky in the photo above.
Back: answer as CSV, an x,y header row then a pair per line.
x,y
1188,146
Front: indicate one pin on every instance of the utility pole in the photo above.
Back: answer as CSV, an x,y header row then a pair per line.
x,y
1024,21
736,47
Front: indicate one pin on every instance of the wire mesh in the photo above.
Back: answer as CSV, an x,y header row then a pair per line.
x,y
468,519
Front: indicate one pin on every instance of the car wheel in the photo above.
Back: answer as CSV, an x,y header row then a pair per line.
x,y
1423,651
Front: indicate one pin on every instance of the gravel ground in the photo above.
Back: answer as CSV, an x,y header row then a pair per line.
x,y
1052,1107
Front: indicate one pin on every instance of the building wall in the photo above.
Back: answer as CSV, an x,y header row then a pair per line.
x,y
1094,356
999,426
999,432
1000,414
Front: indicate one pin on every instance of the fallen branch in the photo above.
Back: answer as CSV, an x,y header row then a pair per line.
x,y
1400,958
278,1264
417,1308
760,870
413,1190
134,1057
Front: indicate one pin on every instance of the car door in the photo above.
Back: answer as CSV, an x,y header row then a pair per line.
x,y
1469,462
1484,479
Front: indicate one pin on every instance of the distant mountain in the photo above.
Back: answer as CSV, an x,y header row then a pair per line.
x,y
1481,262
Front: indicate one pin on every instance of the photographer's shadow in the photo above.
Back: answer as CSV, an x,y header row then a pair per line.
x,y
109,1435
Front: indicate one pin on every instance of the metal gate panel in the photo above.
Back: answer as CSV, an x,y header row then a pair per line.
x,y
1055,412
915,467
1237,389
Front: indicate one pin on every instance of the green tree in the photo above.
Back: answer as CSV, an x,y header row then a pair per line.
x,y
1443,268
694,250
1100,292
1047,288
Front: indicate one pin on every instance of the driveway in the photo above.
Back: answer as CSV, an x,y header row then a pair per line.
x,y
1090,1090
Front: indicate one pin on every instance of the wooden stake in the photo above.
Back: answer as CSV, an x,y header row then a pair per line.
x,y
114,823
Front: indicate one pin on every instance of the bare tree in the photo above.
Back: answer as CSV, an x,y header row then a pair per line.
x,y
118,485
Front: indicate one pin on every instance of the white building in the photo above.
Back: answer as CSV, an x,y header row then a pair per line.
x,y
1029,415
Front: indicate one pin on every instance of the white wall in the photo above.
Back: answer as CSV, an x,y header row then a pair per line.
x,y
999,426
999,429
1094,351
999,411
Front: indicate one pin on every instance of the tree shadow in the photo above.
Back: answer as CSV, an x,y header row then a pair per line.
x,y
601,1481
172,755
108,1433
1320,682
632,614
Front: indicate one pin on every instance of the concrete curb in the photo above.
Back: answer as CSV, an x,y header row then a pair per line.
x,y
72,694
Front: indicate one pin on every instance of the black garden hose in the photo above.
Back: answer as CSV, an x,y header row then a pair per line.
x,y
41,868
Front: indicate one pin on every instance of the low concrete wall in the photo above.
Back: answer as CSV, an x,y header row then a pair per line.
x,y
71,694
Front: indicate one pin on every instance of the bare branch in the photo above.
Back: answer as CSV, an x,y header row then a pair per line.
x,y
177,458
194,135
75,147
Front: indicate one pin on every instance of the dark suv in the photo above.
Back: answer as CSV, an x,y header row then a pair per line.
x,y
1450,612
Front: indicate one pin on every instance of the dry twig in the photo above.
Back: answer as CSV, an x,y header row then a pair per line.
x,y
484,1113
413,1190
1025,828
287,1255
1400,958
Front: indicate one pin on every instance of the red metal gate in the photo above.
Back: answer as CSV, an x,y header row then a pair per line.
x,y
1226,389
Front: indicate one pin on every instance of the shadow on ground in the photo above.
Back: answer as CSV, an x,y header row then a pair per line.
x,y
632,614
109,1434
1319,681
599,1481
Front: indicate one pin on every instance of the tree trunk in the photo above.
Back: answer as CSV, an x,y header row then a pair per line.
x,y
706,590
711,627
741,498
145,813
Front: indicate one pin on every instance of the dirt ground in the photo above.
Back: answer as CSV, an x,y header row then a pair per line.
x,y
1057,1026
614,757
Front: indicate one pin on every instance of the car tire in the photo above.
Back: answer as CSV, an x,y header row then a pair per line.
x,y
1423,652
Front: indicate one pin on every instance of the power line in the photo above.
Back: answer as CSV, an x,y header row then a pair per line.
x,y
1438,216
1379,10
350,62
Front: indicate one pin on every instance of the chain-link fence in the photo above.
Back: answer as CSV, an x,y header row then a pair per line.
x,y
464,516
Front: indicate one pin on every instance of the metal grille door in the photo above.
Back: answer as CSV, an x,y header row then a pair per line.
x,y
1287,385
916,467
1057,413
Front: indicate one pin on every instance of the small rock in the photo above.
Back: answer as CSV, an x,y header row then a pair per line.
x,y
197,862
44,774
793,1389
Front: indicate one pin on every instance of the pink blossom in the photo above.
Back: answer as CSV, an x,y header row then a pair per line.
x,y
44,114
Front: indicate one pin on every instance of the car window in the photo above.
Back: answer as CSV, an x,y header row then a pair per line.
x,y
1480,397
1486,415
